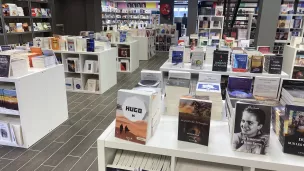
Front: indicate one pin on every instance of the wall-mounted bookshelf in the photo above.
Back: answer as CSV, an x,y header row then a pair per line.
x,y
36,21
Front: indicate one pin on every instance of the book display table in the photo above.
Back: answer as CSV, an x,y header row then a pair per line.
x,y
127,56
41,101
105,75
164,142
146,47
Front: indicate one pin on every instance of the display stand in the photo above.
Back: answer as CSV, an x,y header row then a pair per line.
x,y
107,73
211,19
289,58
133,57
146,47
164,142
42,102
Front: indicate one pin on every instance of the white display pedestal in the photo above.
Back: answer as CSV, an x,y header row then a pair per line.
x,y
107,74
289,58
165,142
42,102
146,47
134,54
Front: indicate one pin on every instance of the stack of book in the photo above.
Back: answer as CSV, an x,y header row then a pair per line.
x,y
292,96
187,165
10,9
213,90
137,115
178,85
130,160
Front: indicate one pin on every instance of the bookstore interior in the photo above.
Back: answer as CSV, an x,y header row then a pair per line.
x,y
229,97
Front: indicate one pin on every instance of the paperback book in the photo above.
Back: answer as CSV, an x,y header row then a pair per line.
x,y
194,120
251,128
220,60
273,64
240,87
240,62
256,64
5,65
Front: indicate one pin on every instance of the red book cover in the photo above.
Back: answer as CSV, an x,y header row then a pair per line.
x,y
33,12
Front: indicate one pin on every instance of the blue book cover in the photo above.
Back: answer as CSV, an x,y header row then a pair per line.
x,y
240,83
240,62
206,86
177,57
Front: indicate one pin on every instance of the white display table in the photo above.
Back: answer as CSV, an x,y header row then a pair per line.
x,y
167,66
165,142
42,102
107,72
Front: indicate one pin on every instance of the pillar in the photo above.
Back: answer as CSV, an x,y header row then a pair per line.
x,y
192,16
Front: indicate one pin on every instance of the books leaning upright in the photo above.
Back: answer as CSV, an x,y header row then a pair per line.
x,y
220,60
134,115
194,120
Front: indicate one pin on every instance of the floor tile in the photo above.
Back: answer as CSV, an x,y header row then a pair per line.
x,y
45,168
20,161
67,163
90,126
15,153
71,132
85,162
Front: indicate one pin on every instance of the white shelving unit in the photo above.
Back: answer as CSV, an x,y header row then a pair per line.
x,y
211,18
207,68
146,47
164,142
107,73
42,102
134,55
289,59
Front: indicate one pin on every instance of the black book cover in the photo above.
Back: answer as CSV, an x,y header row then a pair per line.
x,y
251,128
5,62
294,139
194,121
274,64
71,66
220,61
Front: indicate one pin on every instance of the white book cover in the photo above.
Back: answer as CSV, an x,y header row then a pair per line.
x,y
90,66
44,12
19,27
91,85
20,11
81,44
77,84
37,41
266,87
39,26
19,67
5,131
13,10
45,43
71,41
209,78
17,133
117,157
69,83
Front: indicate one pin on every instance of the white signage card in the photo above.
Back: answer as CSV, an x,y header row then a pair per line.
x,y
151,75
209,78
266,87
180,74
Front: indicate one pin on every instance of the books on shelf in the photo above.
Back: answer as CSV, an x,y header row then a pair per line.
x,y
256,64
123,65
11,130
194,119
73,65
71,42
292,96
41,12
273,64
77,84
239,62
91,85
220,60
251,128
90,66
135,114
9,100
69,83
43,61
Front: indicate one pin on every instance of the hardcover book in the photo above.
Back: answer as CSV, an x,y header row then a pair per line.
x,y
240,87
251,128
134,115
294,138
256,64
273,64
240,62
177,56
220,61
194,120
5,62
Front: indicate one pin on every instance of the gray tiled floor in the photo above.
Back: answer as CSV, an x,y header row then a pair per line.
x,y
72,146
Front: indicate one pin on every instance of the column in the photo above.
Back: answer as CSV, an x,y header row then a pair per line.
x,y
192,17
269,12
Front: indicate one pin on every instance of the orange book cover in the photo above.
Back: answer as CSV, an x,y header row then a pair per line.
x,y
36,50
30,56
55,43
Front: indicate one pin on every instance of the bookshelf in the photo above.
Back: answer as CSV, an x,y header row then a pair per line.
x,y
164,142
146,47
290,65
128,60
34,112
27,36
211,24
106,74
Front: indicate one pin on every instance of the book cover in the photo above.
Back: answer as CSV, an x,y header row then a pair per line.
x,y
33,12
19,27
177,57
294,138
71,44
5,62
132,115
55,43
12,27
197,62
239,87
273,64
256,64
194,120
220,61
209,87
10,100
72,65
240,62
251,128
5,134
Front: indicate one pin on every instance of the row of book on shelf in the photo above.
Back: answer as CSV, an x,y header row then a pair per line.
x,y
17,62
8,100
10,9
11,131
72,64
240,59
290,23
250,104
76,84
24,27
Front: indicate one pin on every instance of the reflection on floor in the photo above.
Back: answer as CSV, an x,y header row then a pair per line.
x,y
72,146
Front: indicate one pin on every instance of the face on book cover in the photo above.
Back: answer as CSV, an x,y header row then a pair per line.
x,y
249,124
